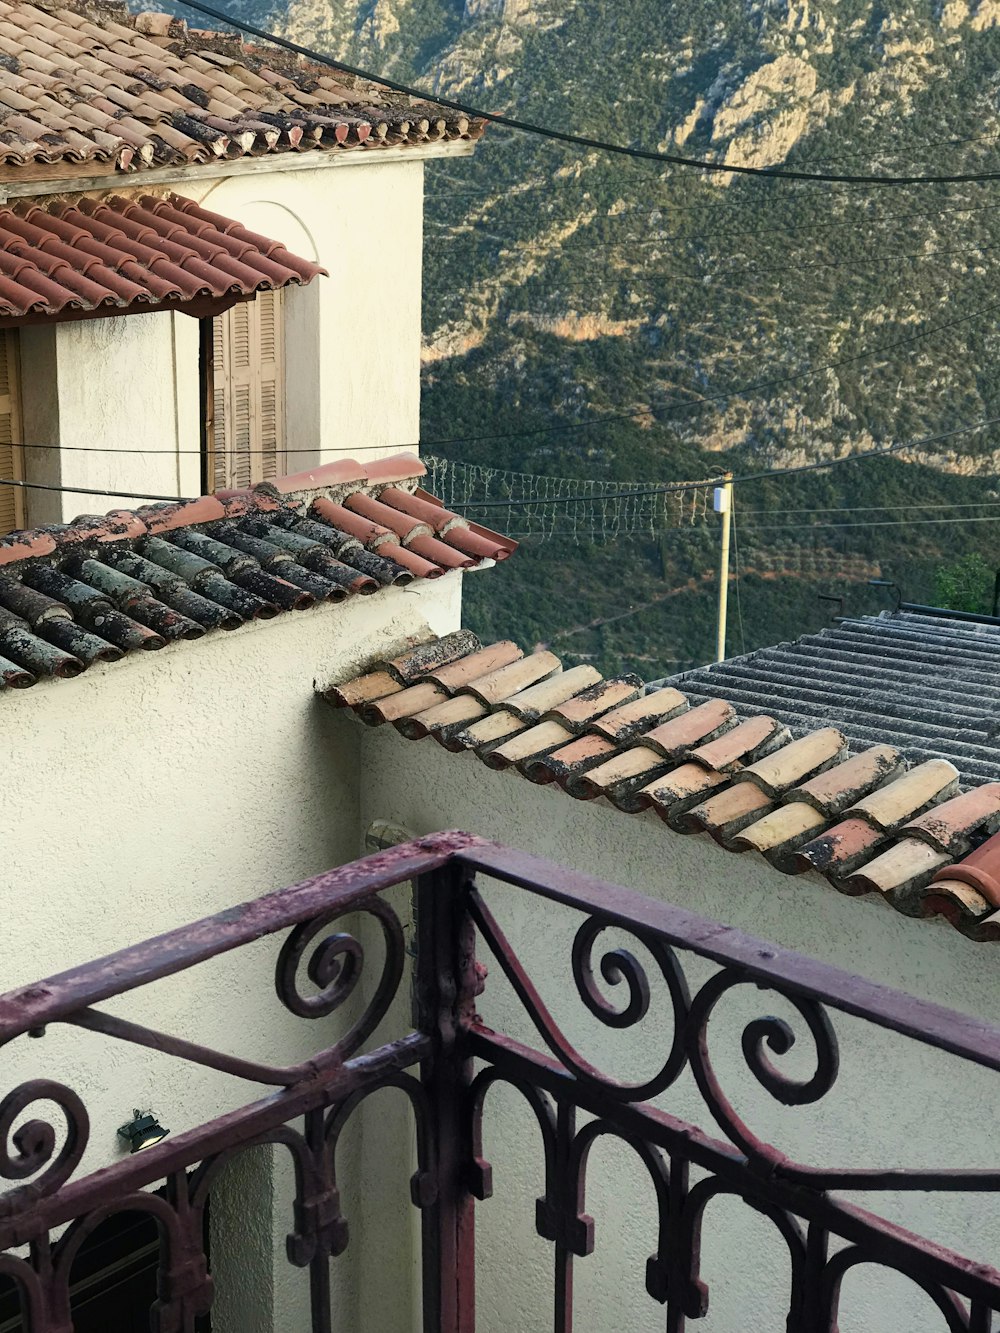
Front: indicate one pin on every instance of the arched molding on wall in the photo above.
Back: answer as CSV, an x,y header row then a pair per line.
x,y
288,223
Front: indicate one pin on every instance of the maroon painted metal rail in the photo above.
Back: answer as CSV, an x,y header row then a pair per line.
x,y
446,1066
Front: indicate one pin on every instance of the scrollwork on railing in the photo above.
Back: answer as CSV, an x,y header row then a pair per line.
x,y
759,1035
335,966
34,1158
617,966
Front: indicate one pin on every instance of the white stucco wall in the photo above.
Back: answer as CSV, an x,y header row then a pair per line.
x,y
107,405
353,339
129,386
157,790
895,1103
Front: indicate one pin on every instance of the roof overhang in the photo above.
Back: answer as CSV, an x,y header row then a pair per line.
x,y
106,257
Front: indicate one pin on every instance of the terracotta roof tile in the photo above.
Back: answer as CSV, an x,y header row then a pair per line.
x,y
472,700
535,743
127,255
785,827
864,820
923,786
729,812
840,849
86,84
633,719
595,700
980,872
908,865
787,767
519,712
951,826
744,744
92,590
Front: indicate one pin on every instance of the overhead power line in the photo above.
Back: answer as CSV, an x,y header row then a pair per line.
x,y
89,490
889,523
616,496
585,141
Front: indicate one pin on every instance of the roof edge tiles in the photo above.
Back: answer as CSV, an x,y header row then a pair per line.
x,y
133,255
871,819
93,89
105,585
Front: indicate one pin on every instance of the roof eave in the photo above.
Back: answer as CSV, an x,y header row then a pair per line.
x,y
16,185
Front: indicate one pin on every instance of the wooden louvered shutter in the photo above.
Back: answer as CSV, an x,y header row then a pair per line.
x,y
11,497
247,409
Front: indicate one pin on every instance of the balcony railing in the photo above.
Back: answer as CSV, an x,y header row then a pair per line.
x,y
446,1066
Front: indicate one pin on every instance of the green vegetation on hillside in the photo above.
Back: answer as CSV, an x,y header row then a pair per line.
x,y
563,287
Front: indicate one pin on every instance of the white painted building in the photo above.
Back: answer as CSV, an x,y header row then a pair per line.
x,y
191,764
126,402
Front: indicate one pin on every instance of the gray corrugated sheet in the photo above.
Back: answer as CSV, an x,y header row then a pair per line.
x,y
925,684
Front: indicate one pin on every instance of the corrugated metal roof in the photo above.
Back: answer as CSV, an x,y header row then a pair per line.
x,y
925,684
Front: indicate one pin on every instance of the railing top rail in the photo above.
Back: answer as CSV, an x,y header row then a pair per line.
x,y
47,1001
969,1037
33,1006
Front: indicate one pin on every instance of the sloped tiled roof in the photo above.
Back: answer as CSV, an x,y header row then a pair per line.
x,y
117,255
93,83
872,819
927,684
100,587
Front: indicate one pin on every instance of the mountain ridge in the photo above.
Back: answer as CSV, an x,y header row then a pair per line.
x,y
564,287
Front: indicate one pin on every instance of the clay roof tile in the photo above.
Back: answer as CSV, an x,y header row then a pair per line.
x,y
980,871
121,255
862,820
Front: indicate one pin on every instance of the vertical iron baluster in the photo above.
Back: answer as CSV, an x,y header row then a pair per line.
x,y
680,1264
184,1289
446,989
816,1312
319,1264
569,1205
980,1318
55,1289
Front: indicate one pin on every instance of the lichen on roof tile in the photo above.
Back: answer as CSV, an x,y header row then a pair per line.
x,y
90,591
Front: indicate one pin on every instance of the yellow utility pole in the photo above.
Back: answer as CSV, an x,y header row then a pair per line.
x,y
723,504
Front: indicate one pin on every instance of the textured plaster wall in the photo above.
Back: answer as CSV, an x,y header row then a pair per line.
x,y
154,791
894,1103
119,397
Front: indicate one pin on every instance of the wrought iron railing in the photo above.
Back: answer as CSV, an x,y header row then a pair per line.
x,y
446,1066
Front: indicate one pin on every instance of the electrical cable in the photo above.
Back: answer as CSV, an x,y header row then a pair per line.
x,y
890,523
87,490
882,509
568,500
585,141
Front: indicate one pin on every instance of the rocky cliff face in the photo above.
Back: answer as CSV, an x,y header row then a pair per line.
x,y
709,319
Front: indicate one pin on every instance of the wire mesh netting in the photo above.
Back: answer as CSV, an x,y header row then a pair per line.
x,y
567,508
